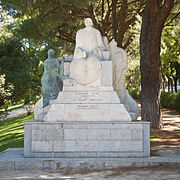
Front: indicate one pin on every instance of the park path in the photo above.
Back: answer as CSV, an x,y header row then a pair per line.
x,y
168,137
16,113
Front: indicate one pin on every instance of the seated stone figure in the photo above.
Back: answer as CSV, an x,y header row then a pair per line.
x,y
51,79
89,51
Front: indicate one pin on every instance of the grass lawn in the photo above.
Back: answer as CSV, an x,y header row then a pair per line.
x,y
12,132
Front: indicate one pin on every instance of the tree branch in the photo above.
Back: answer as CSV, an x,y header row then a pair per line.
x,y
102,9
128,42
50,11
95,22
66,36
167,24
132,20
114,20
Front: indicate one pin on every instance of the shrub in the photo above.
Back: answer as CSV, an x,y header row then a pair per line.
x,y
167,99
170,100
177,101
135,94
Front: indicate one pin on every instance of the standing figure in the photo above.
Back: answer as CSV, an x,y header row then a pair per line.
x,y
51,79
120,66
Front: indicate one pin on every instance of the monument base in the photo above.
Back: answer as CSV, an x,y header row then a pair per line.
x,y
86,139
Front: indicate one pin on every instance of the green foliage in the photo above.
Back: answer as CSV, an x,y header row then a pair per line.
x,y
170,100
5,92
12,132
177,101
170,49
167,99
133,78
19,67
134,93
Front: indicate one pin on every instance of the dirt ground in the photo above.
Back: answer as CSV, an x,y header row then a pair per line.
x,y
168,138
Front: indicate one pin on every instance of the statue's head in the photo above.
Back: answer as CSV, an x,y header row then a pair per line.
x,y
51,53
88,22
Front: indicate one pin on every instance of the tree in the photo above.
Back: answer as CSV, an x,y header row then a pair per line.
x,y
56,22
154,16
170,53
18,71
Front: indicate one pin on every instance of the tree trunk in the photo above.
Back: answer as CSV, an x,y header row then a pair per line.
x,y
168,82
153,19
171,82
175,84
163,82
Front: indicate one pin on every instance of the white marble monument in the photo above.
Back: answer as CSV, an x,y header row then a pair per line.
x,y
87,119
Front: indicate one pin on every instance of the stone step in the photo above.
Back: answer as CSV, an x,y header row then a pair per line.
x,y
13,160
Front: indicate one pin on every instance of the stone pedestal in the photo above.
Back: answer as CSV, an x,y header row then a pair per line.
x,y
87,139
87,121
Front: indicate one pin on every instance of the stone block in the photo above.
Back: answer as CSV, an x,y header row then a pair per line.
x,y
37,135
69,134
81,134
129,146
4,166
103,134
99,97
60,134
106,146
28,165
92,134
82,146
52,134
36,126
41,146
146,139
121,134
52,126
69,146
55,113
87,112
58,146
92,125
106,75
27,139
87,88
66,68
68,82
120,125
118,112
137,134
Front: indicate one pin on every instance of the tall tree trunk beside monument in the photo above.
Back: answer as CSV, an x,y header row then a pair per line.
x,y
154,16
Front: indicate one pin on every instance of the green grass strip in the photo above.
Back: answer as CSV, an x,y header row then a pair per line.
x,y
12,132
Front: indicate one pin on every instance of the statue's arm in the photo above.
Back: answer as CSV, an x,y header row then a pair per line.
x,y
100,41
